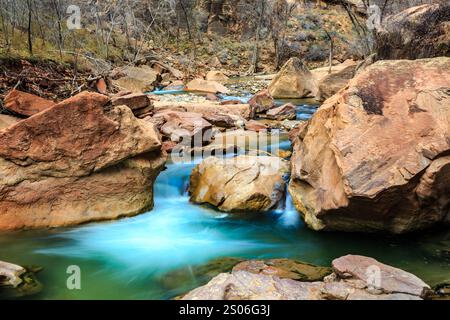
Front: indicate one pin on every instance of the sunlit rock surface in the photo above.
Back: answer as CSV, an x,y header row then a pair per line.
x,y
374,157
76,162
239,184
354,278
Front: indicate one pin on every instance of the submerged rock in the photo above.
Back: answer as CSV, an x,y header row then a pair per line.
x,y
77,162
244,183
378,282
17,281
198,274
25,104
375,156
285,269
293,81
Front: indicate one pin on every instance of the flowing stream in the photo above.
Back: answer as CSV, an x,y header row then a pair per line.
x,y
157,255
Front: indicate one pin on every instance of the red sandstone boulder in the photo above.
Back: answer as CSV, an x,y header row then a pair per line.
x,y
374,157
285,112
262,101
77,162
25,104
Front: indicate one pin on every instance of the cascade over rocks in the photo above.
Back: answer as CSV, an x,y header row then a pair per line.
x,y
375,157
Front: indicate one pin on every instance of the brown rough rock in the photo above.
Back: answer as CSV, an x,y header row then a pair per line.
x,y
216,76
201,85
261,102
392,280
244,183
133,101
256,126
256,284
25,104
374,157
100,164
332,83
136,79
185,127
209,110
285,112
6,121
285,269
293,81
415,33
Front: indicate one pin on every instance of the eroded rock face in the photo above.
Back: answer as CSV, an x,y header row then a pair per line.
x,y
375,156
244,183
415,33
332,83
25,104
354,278
76,162
293,81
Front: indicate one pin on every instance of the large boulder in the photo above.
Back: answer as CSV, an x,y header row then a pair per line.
x,y
244,183
293,81
381,276
262,101
218,76
415,33
335,81
79,161
200,85
374,157
135,79
354,278
25,104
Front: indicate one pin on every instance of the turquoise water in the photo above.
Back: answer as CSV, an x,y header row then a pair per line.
x,y
134,258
